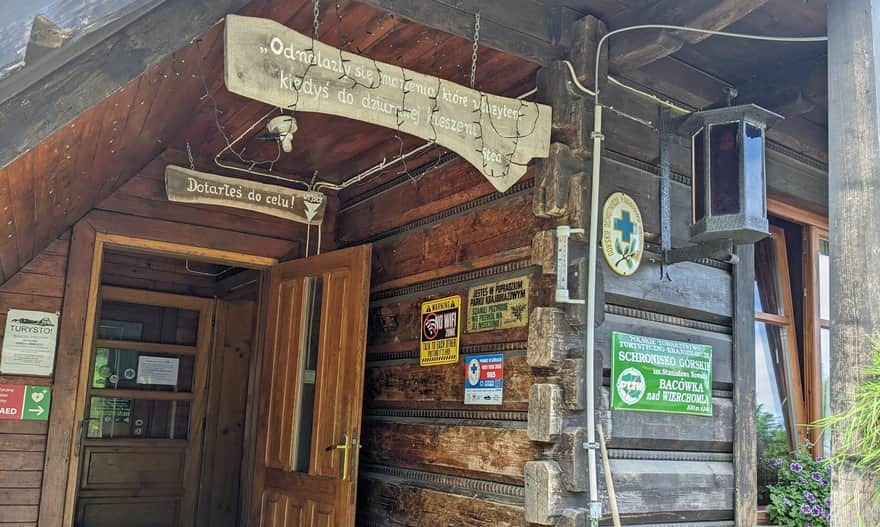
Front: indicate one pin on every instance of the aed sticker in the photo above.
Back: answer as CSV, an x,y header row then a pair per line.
x,y
623,234
484,379
440,336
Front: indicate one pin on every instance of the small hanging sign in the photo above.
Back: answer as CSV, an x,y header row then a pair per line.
x,y
623,234
269,62
498,305
191,186
25,403
658,375
484,379
29,343
440,337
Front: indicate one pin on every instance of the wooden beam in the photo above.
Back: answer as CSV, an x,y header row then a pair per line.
x,y
790,90
523,28
39,100
643,47
745,456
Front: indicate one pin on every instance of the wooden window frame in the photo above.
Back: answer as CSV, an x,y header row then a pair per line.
x,y
93,234
792,369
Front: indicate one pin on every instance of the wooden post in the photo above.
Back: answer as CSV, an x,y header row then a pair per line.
x,y
854,207
745,456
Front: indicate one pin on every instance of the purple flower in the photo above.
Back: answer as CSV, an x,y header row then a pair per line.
x,y
828,502
824,481
776,462
803,480
817,510
805,508
828,469
795,467
808,523
809,496
816,476
786,501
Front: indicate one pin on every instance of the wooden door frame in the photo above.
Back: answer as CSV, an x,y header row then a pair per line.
x,y
91,235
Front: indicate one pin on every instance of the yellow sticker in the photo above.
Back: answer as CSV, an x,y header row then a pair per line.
x,y
440,335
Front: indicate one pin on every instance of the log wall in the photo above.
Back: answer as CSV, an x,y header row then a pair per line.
x,y
38,286
428,459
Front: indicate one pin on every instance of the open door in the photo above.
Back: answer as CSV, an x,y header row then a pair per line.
x,y
311,396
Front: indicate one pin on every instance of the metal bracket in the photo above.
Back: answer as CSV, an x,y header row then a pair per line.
x,y
719,250
590,446
564,259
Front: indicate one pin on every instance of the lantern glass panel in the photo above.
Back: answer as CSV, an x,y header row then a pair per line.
x,y
699,175
753,159
724,171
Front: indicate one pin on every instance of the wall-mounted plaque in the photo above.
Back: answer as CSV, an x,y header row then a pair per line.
x,y
498,305
658,375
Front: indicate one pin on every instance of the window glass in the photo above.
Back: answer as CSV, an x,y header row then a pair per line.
x,y
768,296
824,281
116,417
724,168
699,182
771,414
308,360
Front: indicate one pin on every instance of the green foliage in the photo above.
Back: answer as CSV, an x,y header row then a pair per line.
x,y
802,496
858,442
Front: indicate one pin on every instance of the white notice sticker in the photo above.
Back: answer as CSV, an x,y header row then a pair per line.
x,y
157,370
29,343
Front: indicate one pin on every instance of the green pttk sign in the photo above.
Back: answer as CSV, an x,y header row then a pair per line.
x,y
36,403
657,375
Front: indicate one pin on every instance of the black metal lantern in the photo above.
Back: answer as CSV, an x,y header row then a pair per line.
x,y
729,184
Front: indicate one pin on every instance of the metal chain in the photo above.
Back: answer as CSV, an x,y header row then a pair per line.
x,y
189,154
476,45
317,11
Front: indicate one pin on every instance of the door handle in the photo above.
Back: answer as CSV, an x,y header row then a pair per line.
x,y
346,447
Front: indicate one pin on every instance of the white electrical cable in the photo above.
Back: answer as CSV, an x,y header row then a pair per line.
x,y
693,30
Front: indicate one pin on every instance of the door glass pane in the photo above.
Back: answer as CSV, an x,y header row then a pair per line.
x,y
116,418
824,280
699,191
164,325
772,419
122,369
308,360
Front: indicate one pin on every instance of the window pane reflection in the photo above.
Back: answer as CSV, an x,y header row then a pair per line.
x,y
768,297
772,419
824,281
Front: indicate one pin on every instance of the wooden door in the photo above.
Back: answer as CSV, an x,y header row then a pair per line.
x,y
311,395
140,442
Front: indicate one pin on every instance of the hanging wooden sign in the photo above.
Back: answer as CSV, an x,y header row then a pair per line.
x,y
272,63
192,186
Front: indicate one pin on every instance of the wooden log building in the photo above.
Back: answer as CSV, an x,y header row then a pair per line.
x,y
299,396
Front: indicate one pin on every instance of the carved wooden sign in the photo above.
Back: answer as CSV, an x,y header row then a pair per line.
x,y
272,63
192,186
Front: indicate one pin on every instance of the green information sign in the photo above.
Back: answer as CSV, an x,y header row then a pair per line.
x,y
36,403
657,375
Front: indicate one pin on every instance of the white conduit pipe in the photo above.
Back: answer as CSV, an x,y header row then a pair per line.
x,y
595,504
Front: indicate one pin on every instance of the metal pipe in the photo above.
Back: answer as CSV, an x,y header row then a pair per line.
x,y
589,332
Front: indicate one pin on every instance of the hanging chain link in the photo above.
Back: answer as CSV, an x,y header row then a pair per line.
x,y
189,154
317,11
476,45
